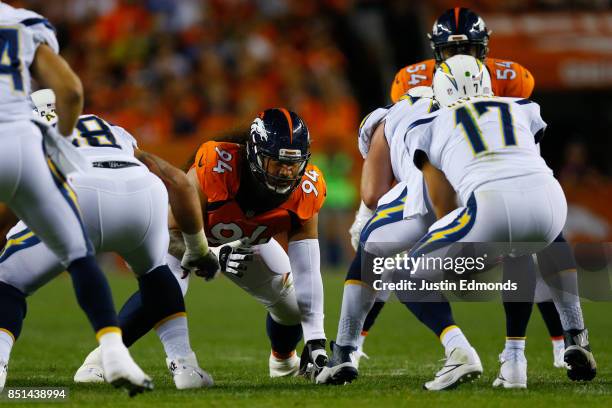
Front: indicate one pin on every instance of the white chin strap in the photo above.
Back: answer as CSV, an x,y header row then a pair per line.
x,y
275,189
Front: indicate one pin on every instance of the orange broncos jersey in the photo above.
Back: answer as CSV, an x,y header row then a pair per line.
x,y
218,167
507,78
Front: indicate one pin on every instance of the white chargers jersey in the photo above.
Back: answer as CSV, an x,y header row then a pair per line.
x,y
368,126
21,32
407,110
99,140
482,140
398,118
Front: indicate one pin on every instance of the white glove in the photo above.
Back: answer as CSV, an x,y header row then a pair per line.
x,y
198,258
234,257
362,217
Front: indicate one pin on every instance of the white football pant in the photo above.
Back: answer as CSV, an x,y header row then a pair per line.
x,y
267,278
37,193
517,216
126,214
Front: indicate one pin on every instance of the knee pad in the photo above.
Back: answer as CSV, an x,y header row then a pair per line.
x,y
286,310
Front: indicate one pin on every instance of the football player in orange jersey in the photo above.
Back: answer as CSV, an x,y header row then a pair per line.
x,y
457,31
461,31
250,191
261,189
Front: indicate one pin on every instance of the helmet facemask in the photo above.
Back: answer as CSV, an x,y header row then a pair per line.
x,y
476,49
282,174
459,31
47,114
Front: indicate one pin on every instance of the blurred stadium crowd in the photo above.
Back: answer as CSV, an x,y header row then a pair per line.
x,y
175,73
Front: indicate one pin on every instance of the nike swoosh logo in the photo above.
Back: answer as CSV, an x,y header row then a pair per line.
x,y
453,367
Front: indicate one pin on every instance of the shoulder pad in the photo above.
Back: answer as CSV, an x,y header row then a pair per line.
x,y
217,166
419,74
307,199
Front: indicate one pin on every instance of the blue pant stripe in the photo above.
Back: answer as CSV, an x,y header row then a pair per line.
x,y
424,246
390,218
62,185
11,249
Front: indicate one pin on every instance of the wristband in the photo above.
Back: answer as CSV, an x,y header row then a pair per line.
x,y
196,242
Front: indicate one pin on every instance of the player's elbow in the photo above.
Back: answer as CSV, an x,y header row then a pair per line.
x,y
177,180
71,91
373,188
370,197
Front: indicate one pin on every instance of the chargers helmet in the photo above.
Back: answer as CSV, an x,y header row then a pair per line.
x,y
278,149
460,76
44,106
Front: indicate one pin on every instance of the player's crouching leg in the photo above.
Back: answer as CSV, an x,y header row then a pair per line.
x,y
266,277
158,304
285,332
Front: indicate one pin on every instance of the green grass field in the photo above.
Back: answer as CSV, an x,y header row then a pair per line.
x,y
228,333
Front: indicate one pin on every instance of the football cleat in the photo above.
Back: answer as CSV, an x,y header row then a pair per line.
x,y
91,370
580,362
558,354
461,365
284,367
3,374
187,374
341,368
358,355
313,359
120,370
513,370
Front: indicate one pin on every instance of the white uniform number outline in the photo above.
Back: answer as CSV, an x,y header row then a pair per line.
x,y
414,77
223,163
308,185
507,73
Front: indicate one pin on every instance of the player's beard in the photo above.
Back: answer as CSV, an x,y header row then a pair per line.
x,y
254,196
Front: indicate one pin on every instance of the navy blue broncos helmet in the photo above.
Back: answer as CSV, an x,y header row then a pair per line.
x,y
459,31
278,149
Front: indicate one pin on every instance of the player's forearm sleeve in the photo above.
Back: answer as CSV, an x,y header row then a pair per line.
x,y
305,262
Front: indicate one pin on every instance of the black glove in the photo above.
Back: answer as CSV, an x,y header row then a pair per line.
x,y
206,267
235,260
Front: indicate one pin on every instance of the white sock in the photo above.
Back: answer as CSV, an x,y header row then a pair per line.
x,y
110,339
558,343
563,288
514,346
6,345
174,335
361,340
452,337
571,316
357,300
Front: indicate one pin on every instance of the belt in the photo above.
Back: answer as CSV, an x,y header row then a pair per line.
x,y
114,164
